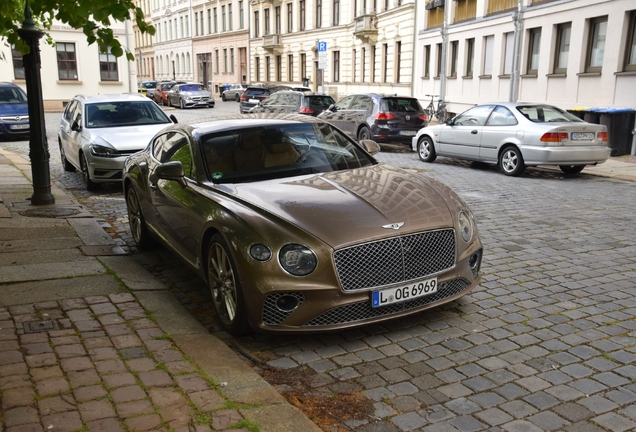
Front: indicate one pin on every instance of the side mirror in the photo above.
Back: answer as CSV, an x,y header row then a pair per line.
x,y
75,126
332,108
370,146
449,122
174,119
171,171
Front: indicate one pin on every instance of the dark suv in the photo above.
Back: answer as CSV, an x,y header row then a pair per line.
x,y
294,102
254,94
379,117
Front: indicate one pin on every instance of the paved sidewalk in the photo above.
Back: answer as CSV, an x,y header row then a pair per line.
x,y
90,341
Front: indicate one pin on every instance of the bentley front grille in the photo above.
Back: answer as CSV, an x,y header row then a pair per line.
x,y
272,314
394,260
359,311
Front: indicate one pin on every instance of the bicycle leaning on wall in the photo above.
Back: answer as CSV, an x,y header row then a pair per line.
x,y
439,112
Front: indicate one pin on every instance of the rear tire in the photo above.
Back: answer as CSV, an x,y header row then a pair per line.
x,y
136,220
237,98
511,161
364,133
223,97
426,150
571,169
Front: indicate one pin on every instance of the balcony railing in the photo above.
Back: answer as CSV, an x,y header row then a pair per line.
x,y
465,10
271,41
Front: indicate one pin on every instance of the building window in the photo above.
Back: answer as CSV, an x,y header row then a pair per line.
x,y
18,64
336,66
256,30
290,18
509,40
302,15
363,54
267,69
216,60
438,70
630,54
373,53
223,18
108,66
353,65
181,27
562,48
533,51
303,66
290,68
318,13
454,54
266,22
336,12
385,62
232,60
225,60
398,61
209,21
187,26
596,45
229,16
216,20
196,23
257,68
279,68
277,19
470,56
66,61
241,23
427,62
489,46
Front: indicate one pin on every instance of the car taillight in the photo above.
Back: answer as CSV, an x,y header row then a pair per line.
x,y
423,117
384,116
554,137
603,136
306,110
243,97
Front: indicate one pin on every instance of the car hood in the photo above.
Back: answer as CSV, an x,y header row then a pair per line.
x,y
196,93
345,207
14,109
125,137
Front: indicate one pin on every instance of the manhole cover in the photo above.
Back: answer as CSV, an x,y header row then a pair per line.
x,y
50,212
40,326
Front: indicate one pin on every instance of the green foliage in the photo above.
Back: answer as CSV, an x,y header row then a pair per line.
x,y
94,18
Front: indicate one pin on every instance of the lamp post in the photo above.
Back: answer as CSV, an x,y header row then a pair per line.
x,y
38,146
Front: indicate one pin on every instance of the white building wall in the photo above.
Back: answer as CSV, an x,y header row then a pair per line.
x,y
173,41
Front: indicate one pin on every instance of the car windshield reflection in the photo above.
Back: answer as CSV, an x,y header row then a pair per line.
x,y
118,114
12,95
280,151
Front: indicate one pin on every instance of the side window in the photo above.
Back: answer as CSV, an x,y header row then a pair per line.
x,y
474,117
501,116
181,153
159,145
271,100
68,112
362,103
294,100
344,103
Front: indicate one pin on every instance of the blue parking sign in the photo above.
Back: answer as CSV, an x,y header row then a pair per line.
x,y
322,46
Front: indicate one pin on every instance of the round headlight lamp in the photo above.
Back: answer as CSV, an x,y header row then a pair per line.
x,y
297,259
260,252
465,227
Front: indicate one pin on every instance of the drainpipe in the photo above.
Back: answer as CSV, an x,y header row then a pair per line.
x,y
517,18
128,62
442,72
414,51
633,153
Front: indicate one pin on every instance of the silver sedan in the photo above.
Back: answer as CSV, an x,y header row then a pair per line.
x,y
514,136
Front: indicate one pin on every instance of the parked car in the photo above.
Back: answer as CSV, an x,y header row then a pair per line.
x,y
161,92
147,88
296,227
254,94
97,133
382,118
14,112
514,136
233,93
189,95
284,101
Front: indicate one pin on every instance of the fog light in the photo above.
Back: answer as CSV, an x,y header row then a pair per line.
x,y
475,262
287,303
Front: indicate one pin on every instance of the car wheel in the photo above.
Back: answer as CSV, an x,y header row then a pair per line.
x,y
511,161
426,149
136,220
223,97
181,104
225,288
89,184
65,163
237,98
364,133
571,169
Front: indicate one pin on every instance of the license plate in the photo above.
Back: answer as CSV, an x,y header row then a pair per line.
x,y
582,136
402,293
410,133
254,101
19,126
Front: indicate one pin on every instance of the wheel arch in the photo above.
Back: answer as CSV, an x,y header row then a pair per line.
x,y
505,145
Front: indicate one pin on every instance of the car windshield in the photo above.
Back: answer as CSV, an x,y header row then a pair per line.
x,y
546,114
401,105
279,151
149,85
319,101
257,92
12,95
123,113
190,87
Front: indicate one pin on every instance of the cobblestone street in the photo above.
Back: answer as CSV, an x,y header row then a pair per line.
x,y
547,342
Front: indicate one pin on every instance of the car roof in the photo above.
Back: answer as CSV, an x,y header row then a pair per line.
x,y
241,121
8,84
302,92
113,98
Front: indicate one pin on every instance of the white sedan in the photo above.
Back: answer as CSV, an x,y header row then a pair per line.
x,y
514,136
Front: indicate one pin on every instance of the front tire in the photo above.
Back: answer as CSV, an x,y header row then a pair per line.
x,y
511,161
65,163
426,150
181,104
89,184
364,133
225,287
136,220
571,169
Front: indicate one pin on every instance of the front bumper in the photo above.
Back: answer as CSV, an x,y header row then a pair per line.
x,y
10,130
105,170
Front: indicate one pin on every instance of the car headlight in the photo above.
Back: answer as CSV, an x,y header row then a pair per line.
x,y
103,151
297,259
260,252
188,97
465,226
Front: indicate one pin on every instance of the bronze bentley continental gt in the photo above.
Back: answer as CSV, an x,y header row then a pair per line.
x,y
296,227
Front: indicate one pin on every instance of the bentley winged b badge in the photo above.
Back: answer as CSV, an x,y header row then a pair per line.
x,y
395,226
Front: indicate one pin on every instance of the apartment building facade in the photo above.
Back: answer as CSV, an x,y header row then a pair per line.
x,y
173,52
369,44
73,66
570,53
144,44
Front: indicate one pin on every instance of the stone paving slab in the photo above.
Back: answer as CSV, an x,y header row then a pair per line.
x,y
55,270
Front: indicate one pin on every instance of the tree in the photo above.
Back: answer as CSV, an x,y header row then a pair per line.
x,y
93,17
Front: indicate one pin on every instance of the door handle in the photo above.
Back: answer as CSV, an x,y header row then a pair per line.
x,y
474,132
